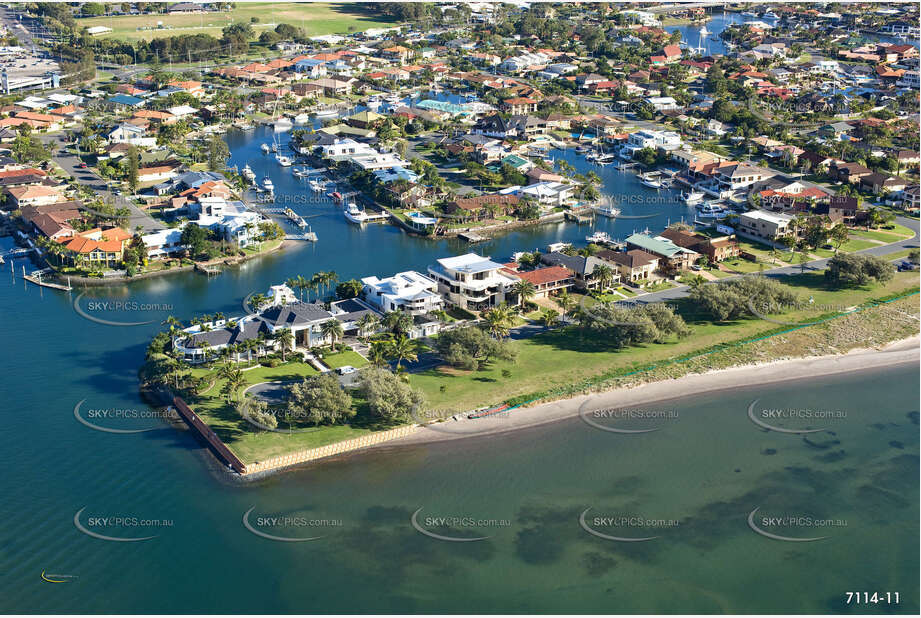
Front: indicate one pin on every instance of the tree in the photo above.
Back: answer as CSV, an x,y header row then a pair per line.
x,y
857,269
403,348
497,320
234,380
732,299
377,354
333,330
550,317
194,238
398,322
257,301
349,289
471,348
525,290
604,274
256,411
838,236
389,398
368,323
218,153
320,399
285,339
133,164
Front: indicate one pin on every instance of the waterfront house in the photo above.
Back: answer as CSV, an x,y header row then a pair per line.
x,y
409,291
546,281
470,281
635,266
763,225
97,247
34,195
672,256
582,268
480,206
716,249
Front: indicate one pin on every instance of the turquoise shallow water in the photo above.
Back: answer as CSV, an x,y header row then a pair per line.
x,y
707,470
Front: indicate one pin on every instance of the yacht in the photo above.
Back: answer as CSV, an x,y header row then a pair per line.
x,y
693,197
265,148
267,184
274,147
248,173
283,124
749,14
711,211
327,113
283,160
355,214
606,208
300,173
769,15
599,238
315,185
302,119
605,158
651,181
704,31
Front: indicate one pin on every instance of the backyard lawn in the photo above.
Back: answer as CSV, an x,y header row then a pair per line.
x,y
341,359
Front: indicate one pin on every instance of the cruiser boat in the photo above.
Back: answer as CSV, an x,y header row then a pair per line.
x,y
267,184
300,173
355,214
650,181
248,173
704,31
265,148
749,14
327,113
693,197
315,185
607,209
769,15
711,211
283,124
604,159
599,238
283,160
302,119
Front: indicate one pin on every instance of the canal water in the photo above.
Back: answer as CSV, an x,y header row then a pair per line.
x,y
703,473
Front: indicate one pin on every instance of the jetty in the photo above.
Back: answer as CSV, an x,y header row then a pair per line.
x,y
308,236
36,277
471,237
207,270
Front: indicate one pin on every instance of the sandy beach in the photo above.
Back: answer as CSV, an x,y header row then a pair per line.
x,y
901,352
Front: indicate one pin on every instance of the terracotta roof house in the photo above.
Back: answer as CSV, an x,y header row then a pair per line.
x,y
635,266
548,280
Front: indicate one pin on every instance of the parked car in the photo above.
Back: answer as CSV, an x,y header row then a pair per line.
x,y
906,265
345,370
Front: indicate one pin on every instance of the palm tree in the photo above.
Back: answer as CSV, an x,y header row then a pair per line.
x,y
368,323
525,290
256,301
333,330
565,301
398,322
497,320
377,355
605,276
696,281
403,348
286,339
173,324
550,317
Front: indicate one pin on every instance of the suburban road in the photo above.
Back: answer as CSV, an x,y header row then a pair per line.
x,y
70,163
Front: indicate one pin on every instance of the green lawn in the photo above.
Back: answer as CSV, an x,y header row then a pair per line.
x,y
564,357
315,18
856,244
896,254
250,444
743,266
887,236
341,359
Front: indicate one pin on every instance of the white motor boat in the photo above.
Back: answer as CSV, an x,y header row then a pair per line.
x,y
283,124
300,173
267,184
599,238
327,113
302,119
605,208
693,197
248,173
704,31
355,214
283,160
315,185
650,181
711,211
266,149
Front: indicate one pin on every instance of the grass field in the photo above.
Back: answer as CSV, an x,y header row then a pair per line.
x,y
341,359
564,357
314,18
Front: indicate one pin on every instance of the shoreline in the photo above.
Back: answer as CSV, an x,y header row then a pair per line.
x,y
901,352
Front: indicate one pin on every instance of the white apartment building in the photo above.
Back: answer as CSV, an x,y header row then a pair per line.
x,y
763,225
346,147
408,291
667,140
471,281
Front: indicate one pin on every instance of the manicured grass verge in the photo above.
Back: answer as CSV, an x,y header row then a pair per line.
x,y
341,359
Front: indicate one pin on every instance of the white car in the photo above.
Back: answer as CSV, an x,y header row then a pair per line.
x,y
345,370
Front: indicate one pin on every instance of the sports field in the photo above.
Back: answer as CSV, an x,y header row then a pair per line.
x,y
314,18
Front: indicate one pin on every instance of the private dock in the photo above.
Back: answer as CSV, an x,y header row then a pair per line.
x,y
36,278
471,237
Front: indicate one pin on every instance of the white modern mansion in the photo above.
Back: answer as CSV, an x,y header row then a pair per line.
x,y
471,281
409,291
